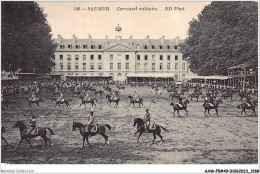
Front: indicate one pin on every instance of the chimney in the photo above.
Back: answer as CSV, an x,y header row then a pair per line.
x,y
74,38
177,40
107,40
89,37
147,40
162,40
130,41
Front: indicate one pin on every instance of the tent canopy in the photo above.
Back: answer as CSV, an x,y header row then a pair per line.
x,y
207,77
154,75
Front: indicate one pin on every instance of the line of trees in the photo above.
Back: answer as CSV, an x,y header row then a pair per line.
x,y
224,35
27,43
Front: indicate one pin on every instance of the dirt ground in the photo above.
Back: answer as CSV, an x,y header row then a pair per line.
x,y
193,139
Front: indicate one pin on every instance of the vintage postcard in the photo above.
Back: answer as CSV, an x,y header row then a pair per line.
x,y
129,83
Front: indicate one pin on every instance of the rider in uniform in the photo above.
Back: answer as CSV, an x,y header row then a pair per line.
x,y
248,100
136,96
86,96
61,97
180,100
33,124
91,122
147,118
33,96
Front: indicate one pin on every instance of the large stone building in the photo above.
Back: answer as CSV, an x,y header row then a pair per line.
x,y
120,59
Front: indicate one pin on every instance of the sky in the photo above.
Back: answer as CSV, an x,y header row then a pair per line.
x,y
66,21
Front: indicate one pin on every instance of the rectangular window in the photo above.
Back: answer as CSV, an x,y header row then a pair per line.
x,y
99,57
168,66
68,66
62,46
161,47
99,66
153,66
61,66
91,57
111,57
145,66
153,47
145,57
92,46
145,47
176,47
119,66
84,66
99,46
126,57
153,57
111,66
161,66
76,57
168,47
92,66
138,66
84,57
176,57
61,57
183,66
138,57
168,57
183,76
161,57
127,66
76,66
68,57
70,46
84,46
176,66
176,77
77,46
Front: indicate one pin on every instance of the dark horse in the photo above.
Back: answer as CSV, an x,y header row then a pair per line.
x,y
243,95
101,129
177,107
111,99
63,101
194,95
91,101
225,95
209,106
98,92
35,100
25,133
133,101
76,92
141,129
245,106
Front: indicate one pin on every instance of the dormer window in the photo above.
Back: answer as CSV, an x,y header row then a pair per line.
x,y
92,46
84,46
161,47
145,47
168,47
99,46
70,46
153,47
176,47
77,46
62,46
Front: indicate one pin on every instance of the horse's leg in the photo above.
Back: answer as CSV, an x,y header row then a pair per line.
x,y
208,111
20,142
28,142
216,111
136,133
205,112
154,137
254,111
105,137
86,137
178,113
174,113
129,104
4,140
186,111
134,105
83,142
139,136
160,137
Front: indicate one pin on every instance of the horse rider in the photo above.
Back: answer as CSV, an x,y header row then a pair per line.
x,y
113,95
33,96
180,100
86,96
33,124
91,122
147,118
136,96
248,100
60,97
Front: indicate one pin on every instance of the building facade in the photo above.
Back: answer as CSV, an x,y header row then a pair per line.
x,y
119,58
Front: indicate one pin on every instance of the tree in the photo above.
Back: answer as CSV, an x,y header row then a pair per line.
x,y
26,38
224,35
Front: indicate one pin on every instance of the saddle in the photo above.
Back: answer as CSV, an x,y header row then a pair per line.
x,y
249,105
62,100
180,105
211,104
33,99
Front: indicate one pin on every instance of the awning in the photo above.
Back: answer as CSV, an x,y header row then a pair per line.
x,y
207,77
154,75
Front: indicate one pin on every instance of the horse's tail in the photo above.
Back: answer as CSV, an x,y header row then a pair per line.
x,y
95,99
50,131
164,128
239,106
108,126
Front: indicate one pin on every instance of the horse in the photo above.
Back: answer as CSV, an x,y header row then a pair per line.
x,y
133,85
174,95
120,87
98,92
141,129
245,106
2,132
225,95
63,101
5,103
154,92
177,107
209,106
35,100
101,129
55,93
194,95
243,95
133,101
111,99
76,92
185,89
91,101
141,84
25,133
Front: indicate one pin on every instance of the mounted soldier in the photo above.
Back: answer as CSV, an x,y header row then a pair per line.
x,y
180,101
87,98
136,97
147,119
91,122
248,101
33,125
33,97
60,97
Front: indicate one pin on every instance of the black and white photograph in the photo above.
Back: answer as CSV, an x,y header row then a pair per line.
x,y
129,83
